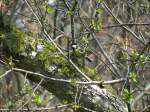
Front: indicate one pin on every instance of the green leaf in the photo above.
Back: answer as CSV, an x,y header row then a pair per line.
x,y
142,58
78,52
134,55
128,97
133,77
76,106
50,9
99,10
69,13
85,40
36,99
27,88
96,24
100,1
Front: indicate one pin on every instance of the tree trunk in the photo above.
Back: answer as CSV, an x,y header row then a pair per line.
x,y
92,96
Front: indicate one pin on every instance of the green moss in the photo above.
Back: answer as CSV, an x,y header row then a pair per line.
x,y
92,73
110,89
49,46
58,60
13,41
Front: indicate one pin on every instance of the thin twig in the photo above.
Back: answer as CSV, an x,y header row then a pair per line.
x,y
104,5
87,109
70,81
126,24
37,109
6,73
29,99
75,99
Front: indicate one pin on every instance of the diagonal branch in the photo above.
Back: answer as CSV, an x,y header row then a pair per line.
x,y
104,5
67,81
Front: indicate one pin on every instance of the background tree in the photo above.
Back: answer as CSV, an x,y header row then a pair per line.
x,y
74,55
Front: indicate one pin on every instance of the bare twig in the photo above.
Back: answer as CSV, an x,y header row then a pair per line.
x,y
69,81
104,5
87,109
126,24
135,101
20,108
6,73
107,57
146,108
37,109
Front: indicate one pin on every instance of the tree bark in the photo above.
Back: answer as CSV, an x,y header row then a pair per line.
x,y
92,96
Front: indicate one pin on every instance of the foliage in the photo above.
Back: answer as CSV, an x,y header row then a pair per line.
x,y
36,99
128,97
99,31
92,73
133,77
47,8
14,41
